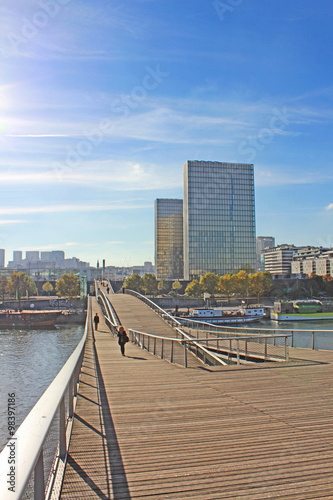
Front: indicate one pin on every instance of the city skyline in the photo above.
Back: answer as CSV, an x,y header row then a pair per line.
x,y
101,105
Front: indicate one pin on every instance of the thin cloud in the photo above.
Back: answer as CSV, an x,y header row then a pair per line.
x,y
69,208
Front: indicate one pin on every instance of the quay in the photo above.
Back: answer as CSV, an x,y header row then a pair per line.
x,y
148,429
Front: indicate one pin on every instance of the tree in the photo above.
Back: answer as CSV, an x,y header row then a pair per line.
x,y
194,289
68,286
3,287
260,283
20,284
226,285
134,283
47,288
149,282
177,286
242,283
163,286
209,282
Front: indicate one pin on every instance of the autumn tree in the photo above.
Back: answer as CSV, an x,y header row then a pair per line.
x,y
241,280
68,286
209,282
3,287
260,283
194,289
226,285
47,288
21,284
134,282
177,286
163,286
150,284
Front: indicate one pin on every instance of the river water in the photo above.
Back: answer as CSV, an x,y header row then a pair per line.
x,y
29,361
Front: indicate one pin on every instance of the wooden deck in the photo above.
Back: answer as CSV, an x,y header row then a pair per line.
x,y
146,429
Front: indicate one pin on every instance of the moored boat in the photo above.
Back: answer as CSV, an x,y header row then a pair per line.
x,y
26,318
217,316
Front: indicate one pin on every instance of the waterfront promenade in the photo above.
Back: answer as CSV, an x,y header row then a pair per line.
x,y
147,429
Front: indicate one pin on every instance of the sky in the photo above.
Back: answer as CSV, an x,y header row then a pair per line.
x,y
102,103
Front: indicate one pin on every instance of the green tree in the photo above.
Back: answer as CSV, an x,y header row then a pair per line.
x,y
163,286
134,283
177,286
68,286
47,288
150,283
3,287
226,285
20,284
209,282
194,289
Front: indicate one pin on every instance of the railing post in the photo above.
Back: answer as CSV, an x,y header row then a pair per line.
x,y
154,345
148,344
265,347
313,340
292,339
39,485
286,348
162,348
185,355
70,398
245,347
62,429
171,354
237,351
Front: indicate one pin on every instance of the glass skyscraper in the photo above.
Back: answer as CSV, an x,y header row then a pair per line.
x,y
219,218
169,263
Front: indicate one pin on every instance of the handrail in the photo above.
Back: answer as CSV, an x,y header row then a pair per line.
x,y
138,338
154,306
112,316
96,289
29,439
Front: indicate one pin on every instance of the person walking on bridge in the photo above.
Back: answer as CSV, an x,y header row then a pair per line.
x,y
96,321
122,339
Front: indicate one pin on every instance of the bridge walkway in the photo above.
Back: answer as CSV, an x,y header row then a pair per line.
x,y
147,429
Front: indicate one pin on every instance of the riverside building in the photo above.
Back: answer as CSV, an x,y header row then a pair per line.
x,y
219,218
169,238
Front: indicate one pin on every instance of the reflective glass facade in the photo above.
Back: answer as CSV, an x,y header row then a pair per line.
x,y
169,262
219,218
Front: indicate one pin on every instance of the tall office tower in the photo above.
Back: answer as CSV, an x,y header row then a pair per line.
x,y
169,239
2,257
17,256
219,218
262,242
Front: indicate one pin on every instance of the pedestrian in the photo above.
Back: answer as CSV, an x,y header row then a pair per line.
x,y
96,321
122,339
107,290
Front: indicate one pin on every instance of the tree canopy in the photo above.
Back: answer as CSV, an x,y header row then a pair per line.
x,y
194,289
177,286
150,284
68,286
134,282
20,284
209,282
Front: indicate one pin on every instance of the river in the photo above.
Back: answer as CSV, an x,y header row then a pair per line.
x,y
29,361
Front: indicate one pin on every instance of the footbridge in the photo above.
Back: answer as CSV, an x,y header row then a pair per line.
x,y
143,427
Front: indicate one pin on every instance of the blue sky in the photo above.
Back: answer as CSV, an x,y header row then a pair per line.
x,y
102,102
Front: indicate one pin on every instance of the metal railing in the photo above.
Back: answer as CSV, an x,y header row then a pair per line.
x,y
28,443
161,312
111,316
213,351
303,338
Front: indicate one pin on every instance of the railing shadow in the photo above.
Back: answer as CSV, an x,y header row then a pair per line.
x,y
120,489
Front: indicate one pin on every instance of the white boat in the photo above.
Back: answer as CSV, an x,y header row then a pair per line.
x,y
217,316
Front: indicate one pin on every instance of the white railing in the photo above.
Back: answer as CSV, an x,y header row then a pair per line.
x,y
111,316
161,312
25,457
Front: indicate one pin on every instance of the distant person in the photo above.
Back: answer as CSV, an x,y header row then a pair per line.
x,y
122,339
96,321
107,290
